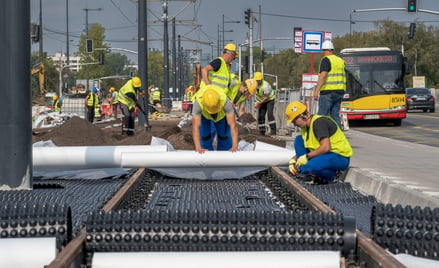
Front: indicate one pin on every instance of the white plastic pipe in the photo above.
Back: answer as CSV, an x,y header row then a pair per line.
x,y
242,259
85,157
208,159
27,252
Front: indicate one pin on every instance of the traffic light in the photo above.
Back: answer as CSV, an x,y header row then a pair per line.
x,y
36,32
101,58
89,45
247,17
411,6
412,30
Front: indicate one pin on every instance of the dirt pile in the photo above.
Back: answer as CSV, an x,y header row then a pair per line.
x,y
79,132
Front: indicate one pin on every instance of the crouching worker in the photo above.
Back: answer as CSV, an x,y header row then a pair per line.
x,y
213,115
322,150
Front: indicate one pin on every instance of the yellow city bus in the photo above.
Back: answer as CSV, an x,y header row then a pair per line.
x,y
374,84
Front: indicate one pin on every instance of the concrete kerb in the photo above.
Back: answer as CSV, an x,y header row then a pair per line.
x,y
386,191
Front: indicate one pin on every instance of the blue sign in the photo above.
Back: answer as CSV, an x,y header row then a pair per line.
x,y
312,41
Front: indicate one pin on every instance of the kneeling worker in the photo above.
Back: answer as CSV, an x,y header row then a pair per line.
x,y
322,149
213,112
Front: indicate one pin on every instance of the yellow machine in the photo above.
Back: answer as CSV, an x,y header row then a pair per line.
x,y
40,71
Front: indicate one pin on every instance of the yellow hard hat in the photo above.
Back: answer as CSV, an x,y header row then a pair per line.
x,y
211,101
54,97
112,89
258,76
135,82
251,85
230,48
294,109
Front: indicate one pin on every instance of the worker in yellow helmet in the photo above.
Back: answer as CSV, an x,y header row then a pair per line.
x,y
322,149
55,104
113,100
217,71
265,99
213,115
127,98
241,91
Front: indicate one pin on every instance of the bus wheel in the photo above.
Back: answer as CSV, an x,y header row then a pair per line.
x,y
397,122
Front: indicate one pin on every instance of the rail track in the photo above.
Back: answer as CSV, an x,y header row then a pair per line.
x,y
268,211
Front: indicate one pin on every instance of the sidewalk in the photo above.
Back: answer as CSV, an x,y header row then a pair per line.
x,y
395,172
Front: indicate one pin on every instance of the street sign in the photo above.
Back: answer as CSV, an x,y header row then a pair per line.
x,y
310,41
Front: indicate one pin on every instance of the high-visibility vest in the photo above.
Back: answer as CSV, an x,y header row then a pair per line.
x,y
260,92
115,100
156,95
122,96
339,143
336,77
92,100
220,78
235,85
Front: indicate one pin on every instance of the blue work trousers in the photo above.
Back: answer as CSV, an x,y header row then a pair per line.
x,y
209,129
324,166
329,104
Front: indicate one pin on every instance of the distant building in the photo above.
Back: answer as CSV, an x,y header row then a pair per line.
x,y
61,58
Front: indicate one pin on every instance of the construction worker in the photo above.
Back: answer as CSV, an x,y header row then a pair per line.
x,y
156,97
217,71
91,101
239,92
212,116
113,100
127,98
265,97
190,91
331,84
55,104
322,150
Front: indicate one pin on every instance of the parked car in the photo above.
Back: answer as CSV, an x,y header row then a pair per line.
x,y
420,98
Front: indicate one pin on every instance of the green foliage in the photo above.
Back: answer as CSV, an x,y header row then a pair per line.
x,y
50,74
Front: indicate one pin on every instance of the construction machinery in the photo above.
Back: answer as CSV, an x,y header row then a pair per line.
x,y
40,70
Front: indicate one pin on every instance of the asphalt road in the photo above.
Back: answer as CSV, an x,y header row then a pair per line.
x,y
418,127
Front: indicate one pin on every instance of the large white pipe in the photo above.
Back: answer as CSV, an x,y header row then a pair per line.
x,y
85,157
27,252
241,259
208,159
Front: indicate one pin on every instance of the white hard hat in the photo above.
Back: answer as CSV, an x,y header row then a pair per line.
x,y
327,45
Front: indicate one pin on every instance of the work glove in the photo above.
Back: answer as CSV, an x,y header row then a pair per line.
x,y
145,113
302,160
292,166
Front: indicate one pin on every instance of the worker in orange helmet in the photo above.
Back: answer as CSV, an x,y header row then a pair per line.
x,y
213,115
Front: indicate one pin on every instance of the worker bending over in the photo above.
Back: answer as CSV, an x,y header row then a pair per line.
x,y
213,115
127,98
322,150
239,92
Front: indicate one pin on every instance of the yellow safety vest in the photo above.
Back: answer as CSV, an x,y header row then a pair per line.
x,y
233,91
156,95
338,141
92,100
221,114
115,100
260,92
219,78
122,96
336,78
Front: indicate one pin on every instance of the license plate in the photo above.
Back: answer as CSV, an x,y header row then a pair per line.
x,y
372,116
421,99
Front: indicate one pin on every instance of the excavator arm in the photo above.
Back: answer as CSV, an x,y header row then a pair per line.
x,y
40,71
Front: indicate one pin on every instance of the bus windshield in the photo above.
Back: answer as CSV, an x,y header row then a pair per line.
x,y
369,75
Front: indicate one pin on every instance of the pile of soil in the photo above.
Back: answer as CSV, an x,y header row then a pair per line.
x,y
79,132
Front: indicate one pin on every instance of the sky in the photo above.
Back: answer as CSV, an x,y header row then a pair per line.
x,y
200,22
